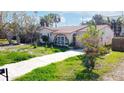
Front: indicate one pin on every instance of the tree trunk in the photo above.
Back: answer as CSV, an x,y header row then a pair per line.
x,y
9,39
17,35
55,25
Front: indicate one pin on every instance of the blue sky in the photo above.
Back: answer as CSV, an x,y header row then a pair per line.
x,y
75,17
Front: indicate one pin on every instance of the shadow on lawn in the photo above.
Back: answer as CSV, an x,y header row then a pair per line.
x,y
87,75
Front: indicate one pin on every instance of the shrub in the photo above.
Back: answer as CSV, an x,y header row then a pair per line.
x,y
45,38
90,40
103,50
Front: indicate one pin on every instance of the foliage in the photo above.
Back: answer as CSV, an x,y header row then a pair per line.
x,y
103,50
90,40
89,61
45,39
50,19
120,19
91,37
20,25
99,20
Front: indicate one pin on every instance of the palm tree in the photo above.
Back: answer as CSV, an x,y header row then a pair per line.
x,y
43,22
50,19
57,19
116,25
120,19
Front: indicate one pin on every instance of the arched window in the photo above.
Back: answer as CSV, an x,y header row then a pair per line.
x,y
61,40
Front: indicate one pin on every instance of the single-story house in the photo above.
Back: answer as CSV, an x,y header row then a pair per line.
x,y
68,35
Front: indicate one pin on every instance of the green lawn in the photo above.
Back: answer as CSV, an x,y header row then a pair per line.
x,y
73,69
12,54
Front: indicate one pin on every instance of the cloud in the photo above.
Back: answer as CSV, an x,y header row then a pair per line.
x,y
85,19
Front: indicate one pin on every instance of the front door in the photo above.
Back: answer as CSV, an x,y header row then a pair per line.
x,y
60,40
74,40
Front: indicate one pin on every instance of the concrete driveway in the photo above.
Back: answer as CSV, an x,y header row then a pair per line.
x,y
18,69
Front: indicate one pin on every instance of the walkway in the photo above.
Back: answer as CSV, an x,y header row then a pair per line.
x,y
23,67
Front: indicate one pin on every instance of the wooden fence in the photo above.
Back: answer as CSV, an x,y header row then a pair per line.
x,y
118,44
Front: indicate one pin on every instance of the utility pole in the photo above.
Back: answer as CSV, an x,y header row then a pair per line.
x,y
122,13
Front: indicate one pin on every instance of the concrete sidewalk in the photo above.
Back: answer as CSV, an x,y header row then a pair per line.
x,y
23,67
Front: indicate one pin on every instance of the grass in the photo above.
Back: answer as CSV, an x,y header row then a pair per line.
x,y
13,57
13,54
73,69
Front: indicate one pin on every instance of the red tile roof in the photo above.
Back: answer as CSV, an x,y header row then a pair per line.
x,y
49,28
102,26
70,29
99,27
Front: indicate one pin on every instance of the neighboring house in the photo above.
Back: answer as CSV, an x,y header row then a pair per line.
x,y
118,29
69,35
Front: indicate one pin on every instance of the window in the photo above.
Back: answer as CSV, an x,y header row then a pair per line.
x,y
60,40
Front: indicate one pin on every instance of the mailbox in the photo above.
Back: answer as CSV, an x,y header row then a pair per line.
x,y
2,71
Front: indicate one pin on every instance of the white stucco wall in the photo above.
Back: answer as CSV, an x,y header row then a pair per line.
x,y
46,32
78,39
107,36
106,39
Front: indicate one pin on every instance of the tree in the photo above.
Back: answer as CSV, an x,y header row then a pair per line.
x,y
91,22
15,26
43,22
116,25
91,37
50,19
5,26
57,19
26,26
91,41
120,19
34,28
99,20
